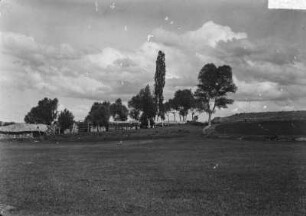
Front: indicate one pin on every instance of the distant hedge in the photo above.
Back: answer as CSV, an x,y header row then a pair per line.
x,y
195,123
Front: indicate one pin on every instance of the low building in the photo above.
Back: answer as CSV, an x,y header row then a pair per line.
x,y
22,130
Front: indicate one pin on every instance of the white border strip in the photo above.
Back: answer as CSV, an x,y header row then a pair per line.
x,y
287,4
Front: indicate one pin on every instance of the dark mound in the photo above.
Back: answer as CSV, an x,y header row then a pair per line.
x,y
295,127
263,116
267,123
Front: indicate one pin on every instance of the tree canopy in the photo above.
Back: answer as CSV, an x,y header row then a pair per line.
x,y
183,101
214,85
99,115
44,113
134,114
65,120
159,85
144,103
119,111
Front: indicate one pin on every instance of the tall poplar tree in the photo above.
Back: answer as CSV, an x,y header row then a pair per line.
x,y
159,85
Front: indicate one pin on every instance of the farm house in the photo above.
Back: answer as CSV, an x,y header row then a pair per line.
x,y
22,130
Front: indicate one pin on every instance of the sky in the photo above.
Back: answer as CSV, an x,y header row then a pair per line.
x,y
82,51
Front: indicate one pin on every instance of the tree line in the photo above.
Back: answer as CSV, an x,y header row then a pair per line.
x,y
212,92
46,113
214,84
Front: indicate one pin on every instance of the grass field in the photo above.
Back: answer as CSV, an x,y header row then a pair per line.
x,y
189,175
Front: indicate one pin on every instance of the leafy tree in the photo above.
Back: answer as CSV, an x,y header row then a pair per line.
x,y
44,113
136,107
197,107
119,111
135,102
99,115
159,85
144,103
65,120
214,85
183,101
135,114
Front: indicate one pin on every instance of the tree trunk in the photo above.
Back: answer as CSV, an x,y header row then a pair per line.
x,y
148,123
209,118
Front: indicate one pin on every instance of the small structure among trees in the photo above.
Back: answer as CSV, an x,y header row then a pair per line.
x,y
22,130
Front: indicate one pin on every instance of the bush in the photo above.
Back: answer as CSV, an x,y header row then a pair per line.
x,y
195,123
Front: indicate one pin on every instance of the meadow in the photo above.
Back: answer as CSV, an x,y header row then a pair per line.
x,y
189,175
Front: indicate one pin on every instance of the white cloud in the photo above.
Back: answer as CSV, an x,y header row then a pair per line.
x,y
261,75
62,70
106,58
257,90
210,34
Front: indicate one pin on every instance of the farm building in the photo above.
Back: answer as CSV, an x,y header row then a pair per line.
x,y
22,130
113,125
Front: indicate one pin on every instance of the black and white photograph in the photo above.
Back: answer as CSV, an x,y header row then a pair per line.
x,y
152,107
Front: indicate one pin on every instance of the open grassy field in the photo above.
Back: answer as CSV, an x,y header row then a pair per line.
x,y
189,175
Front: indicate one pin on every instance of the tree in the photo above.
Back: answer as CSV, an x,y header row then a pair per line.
x,y
99,115
44,113
183,101
119,111
65,120
159,85
214,85
197,107
134,114
144,103
135,105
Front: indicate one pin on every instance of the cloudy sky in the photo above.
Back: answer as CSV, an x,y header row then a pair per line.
x,y
82,51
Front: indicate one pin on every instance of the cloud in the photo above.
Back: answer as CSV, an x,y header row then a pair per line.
x,y
271,64
210,34
265,71
258,90
25,47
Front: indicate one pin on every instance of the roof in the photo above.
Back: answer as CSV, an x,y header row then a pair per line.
x,y
22,127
